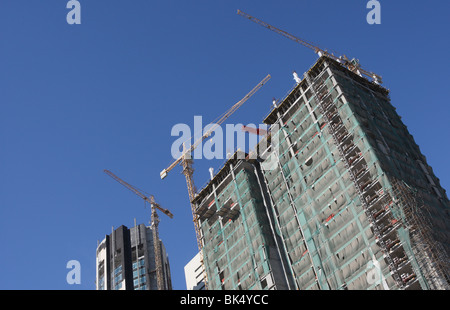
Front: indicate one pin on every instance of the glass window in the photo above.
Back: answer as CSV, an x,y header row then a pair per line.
x,y
118,286
101,283
141,263
118,278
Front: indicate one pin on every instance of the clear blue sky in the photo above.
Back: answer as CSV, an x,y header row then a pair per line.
x,y
77,99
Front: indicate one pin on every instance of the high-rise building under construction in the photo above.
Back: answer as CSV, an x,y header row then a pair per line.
x,y
239,249
350,204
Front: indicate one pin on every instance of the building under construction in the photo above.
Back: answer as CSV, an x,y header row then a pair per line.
x,y
239,249
350,204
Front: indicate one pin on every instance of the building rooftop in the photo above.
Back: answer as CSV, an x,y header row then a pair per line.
x,y
285,103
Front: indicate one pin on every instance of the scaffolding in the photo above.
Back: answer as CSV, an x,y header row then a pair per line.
x,y
239,251
331,192
327,240
431,256
350,202
374,198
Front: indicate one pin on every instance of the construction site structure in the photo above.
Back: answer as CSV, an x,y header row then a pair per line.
x,y
352,65
351,202
351,148
186,161
154,226
240,252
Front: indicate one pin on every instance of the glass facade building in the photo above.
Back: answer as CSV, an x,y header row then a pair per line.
x,y
126,261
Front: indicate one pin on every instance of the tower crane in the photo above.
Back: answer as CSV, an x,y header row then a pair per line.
x,y
154,225
353,65
185,160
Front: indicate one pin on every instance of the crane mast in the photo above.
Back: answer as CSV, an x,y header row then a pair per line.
x,y
154,225
186,162
156,244
353,65
188,171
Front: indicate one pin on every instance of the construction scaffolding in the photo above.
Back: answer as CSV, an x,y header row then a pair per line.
x,y
430,255
239,250
347,203
332,193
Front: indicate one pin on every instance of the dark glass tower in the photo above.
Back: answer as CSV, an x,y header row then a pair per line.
x,y
126,261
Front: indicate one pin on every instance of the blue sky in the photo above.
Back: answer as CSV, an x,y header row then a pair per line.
x,y
105,94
